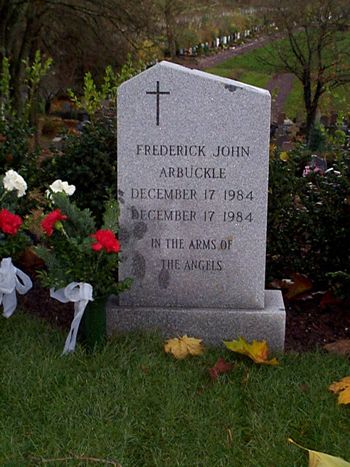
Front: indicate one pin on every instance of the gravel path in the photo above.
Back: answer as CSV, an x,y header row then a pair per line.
x,y
279,86
213,60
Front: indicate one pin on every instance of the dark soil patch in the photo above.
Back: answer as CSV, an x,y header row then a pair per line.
x,y
308,326
38,302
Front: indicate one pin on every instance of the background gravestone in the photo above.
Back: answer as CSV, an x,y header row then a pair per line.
x,y
192,184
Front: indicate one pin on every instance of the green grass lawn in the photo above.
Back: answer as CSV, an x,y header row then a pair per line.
x,y
248,68
133,404
251,68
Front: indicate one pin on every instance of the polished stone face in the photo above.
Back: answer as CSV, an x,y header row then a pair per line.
x,y
192,184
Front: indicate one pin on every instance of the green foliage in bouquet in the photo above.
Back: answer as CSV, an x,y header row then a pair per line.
x,y
13,245
75,251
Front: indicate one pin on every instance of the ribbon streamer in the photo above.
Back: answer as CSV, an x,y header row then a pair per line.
x,y
80,293
12,279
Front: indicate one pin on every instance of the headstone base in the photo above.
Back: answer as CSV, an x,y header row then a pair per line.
x,y
210,324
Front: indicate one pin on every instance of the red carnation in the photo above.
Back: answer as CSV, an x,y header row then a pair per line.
x,y
106,240
49,221
9,223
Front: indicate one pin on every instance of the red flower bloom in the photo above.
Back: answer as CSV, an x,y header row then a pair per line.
x,y
49,221
106,240
9,223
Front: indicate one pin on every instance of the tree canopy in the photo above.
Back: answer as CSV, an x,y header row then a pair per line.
x,y
79,35
317,46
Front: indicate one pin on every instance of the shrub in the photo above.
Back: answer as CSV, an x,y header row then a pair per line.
x,y
309,216
14,135
88,161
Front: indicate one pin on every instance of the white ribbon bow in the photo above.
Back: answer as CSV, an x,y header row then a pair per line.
x,y
12,280
80,293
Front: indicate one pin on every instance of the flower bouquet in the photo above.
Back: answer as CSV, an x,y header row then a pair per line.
x,y
81,262
12,242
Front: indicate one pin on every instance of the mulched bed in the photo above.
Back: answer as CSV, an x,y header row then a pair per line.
x,y
308,325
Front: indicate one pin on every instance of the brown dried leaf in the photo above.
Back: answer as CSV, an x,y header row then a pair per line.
x,y
340,347
329,299
299,285
220,367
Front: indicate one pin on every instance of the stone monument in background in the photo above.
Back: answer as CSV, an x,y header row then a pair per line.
x,y
193,152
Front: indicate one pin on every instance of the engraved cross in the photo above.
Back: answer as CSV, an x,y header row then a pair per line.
x,y
158,93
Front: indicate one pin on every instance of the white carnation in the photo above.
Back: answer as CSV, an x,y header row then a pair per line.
x,y
14,181
60,187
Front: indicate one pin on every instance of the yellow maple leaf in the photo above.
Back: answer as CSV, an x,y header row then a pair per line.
x,y
284,156
342,388
258,351
320,459
183,346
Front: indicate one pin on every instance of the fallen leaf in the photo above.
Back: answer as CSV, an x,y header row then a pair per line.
x,y
320,459
340,347
276,284
294,287
220,367
284,156
183,346
342,388
258,351
297,286
329,299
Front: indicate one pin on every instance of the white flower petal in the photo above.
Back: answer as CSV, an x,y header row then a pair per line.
x,y
13,181
62,187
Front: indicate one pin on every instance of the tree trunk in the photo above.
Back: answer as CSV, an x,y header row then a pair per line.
x,y
169,26
311,105
310,122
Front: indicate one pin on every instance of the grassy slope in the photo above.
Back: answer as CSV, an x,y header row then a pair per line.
x,y
132,403
247,68
250,68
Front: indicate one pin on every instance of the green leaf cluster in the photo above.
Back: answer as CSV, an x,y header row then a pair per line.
x,y
94,96
13,245
68,253
308,216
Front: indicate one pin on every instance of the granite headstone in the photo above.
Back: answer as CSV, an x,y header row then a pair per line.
x,y
192,185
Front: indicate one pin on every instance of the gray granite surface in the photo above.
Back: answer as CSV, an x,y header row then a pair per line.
x,y
192,185
213,325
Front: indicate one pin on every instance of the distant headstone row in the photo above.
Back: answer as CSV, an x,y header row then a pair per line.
x,y
222,41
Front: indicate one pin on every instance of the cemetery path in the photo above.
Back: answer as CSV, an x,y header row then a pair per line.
x,y
213,60
279,86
